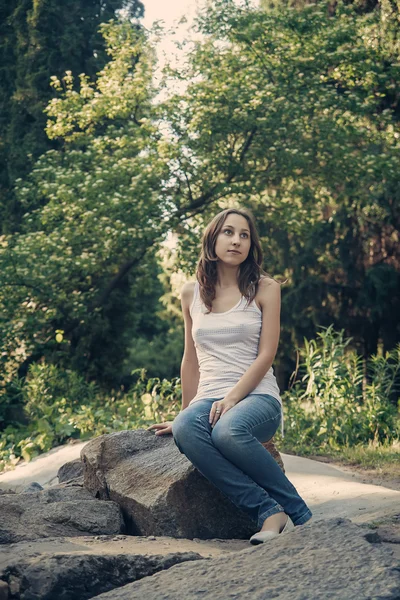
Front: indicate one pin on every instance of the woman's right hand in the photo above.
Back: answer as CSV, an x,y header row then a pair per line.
x,y
161,428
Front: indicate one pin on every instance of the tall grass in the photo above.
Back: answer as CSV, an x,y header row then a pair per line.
x,y
338,400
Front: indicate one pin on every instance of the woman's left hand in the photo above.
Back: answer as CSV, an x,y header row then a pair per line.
x,y
222,405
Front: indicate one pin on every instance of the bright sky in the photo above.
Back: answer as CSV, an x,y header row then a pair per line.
x,y
168,11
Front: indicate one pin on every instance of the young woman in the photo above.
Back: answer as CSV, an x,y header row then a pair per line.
x,y
230,398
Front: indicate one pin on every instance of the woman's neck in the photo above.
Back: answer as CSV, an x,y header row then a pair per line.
x,y
227,278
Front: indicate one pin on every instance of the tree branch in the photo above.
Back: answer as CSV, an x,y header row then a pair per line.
x,y
208,195
123,270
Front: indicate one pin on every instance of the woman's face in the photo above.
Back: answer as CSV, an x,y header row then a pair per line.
x,y
234,235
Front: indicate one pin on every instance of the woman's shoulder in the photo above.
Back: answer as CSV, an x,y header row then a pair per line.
x,y
265,282
187,292
266,286
188,287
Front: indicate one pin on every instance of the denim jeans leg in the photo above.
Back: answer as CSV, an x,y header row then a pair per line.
x,y
192,435
238,435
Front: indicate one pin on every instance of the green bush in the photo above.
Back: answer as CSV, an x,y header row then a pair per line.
x,y
60,405
334,404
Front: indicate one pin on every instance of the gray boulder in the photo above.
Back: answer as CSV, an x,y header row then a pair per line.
x,y
71,473
78,577
273,450
56,512
325,560
31,488
158,489
4,591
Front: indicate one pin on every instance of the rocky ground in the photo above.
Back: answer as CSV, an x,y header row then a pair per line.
x,y
132,518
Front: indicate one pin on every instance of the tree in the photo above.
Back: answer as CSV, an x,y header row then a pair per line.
x,y
294,112
40,39
94,221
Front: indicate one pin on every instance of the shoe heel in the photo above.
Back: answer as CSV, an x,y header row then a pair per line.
x,y
289,526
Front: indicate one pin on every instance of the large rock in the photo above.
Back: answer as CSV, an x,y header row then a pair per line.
x,y
322,560
79,577
4,591
56,512
329,560
273,450
159,490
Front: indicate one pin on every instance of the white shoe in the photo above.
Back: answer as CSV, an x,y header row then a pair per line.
x,y
264,536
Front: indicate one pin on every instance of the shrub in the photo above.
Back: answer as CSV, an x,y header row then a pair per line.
x,y
60,405
336,403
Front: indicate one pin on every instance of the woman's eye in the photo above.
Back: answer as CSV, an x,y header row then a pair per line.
x,y
229,231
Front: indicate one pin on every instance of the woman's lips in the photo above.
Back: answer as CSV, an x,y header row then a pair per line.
x,y
234,251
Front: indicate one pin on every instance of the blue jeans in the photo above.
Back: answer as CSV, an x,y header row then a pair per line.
x,y
230,455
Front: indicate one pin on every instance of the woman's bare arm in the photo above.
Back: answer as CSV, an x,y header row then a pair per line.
x,y
190,373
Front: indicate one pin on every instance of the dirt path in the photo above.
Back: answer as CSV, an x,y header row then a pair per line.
x,y
372,476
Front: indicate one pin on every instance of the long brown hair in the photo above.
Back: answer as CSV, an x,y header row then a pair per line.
x,y
250,270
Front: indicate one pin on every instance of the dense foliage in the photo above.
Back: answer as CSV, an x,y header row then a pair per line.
x,y
295,112
91,233
37,40
61,405
333,405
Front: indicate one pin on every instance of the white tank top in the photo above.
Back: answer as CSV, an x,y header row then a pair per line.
x,y
226,345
